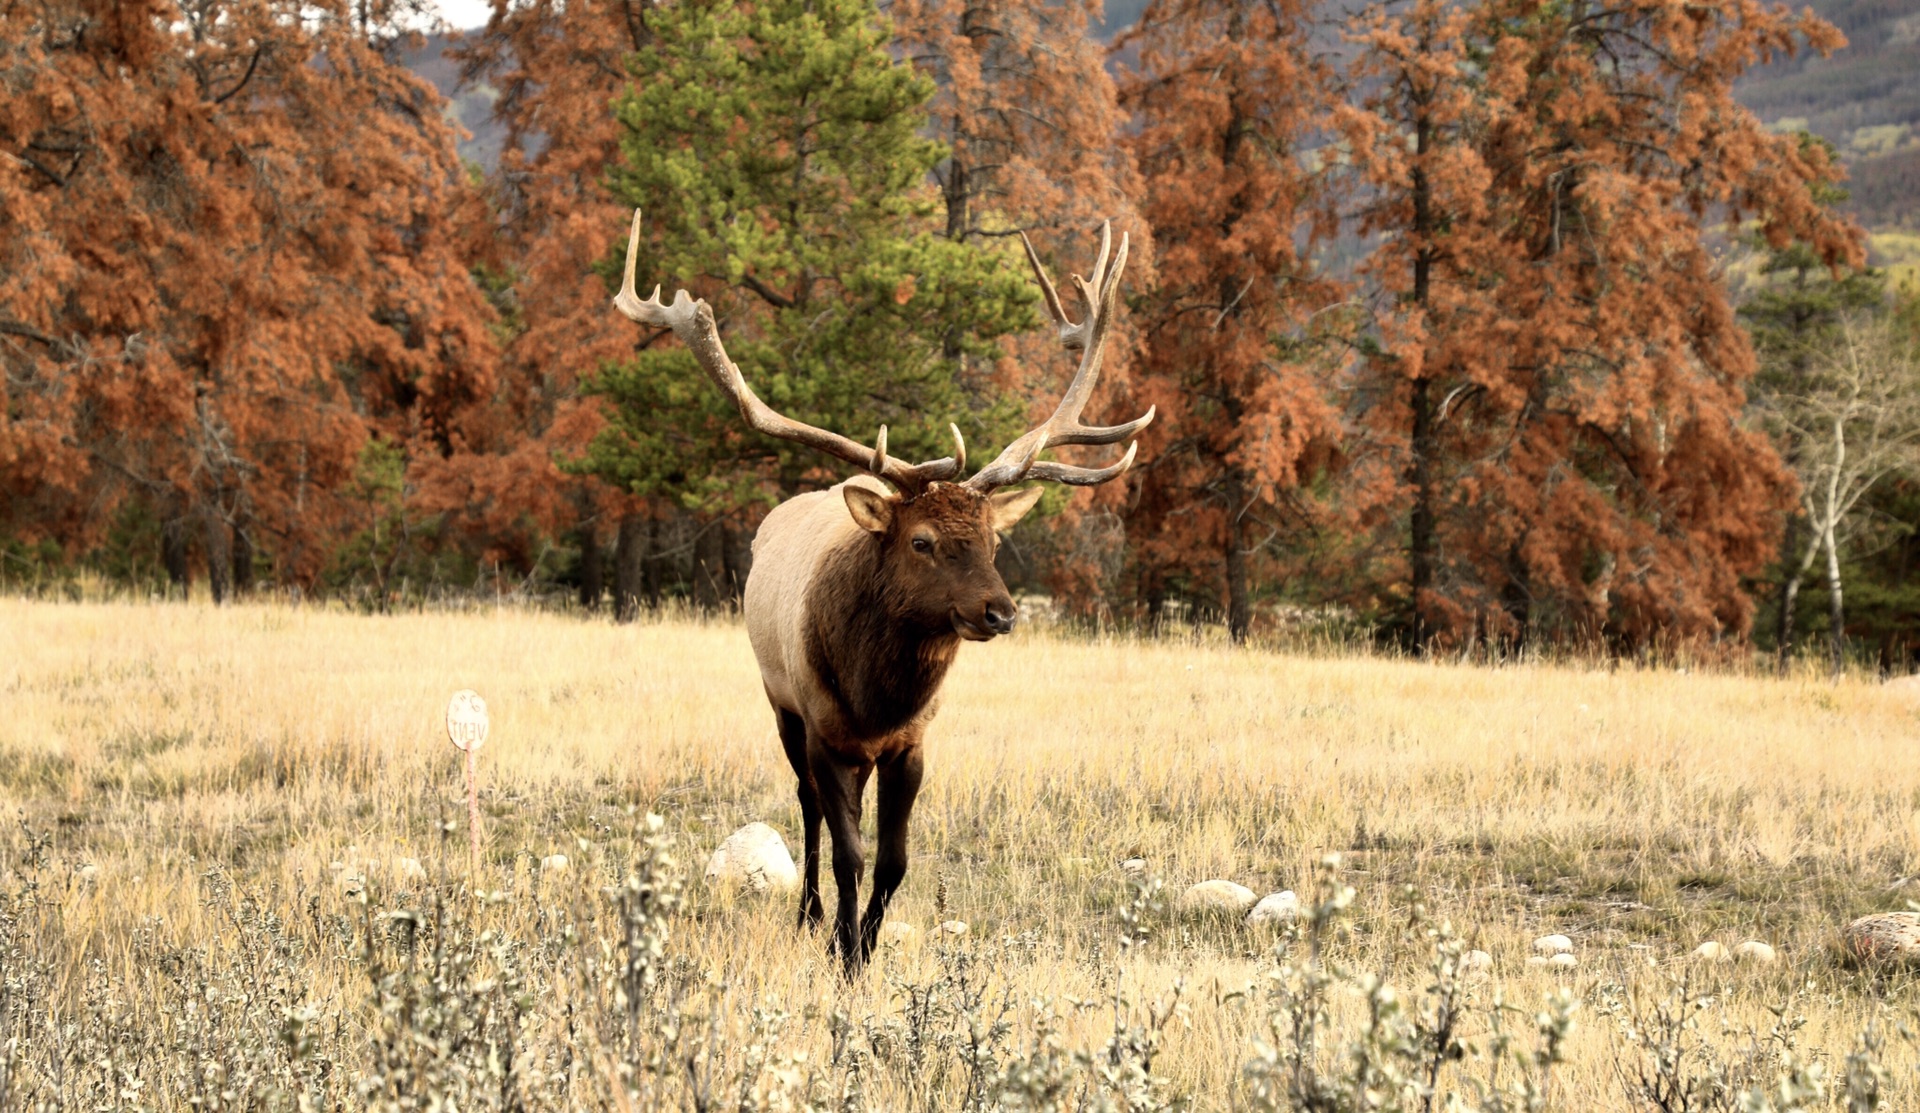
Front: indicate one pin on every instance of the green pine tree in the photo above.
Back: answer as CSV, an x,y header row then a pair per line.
x,y
777,153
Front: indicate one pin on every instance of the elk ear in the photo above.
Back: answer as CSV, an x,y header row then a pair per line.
x,y
872,510
1011,506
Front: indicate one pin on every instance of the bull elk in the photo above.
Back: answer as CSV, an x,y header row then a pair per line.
x,y
859,595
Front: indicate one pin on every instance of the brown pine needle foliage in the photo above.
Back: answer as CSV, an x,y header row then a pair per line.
x,y
1225,95
1554,406
230,252
558,68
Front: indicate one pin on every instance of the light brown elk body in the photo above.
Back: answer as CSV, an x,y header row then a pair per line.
x,y
860,595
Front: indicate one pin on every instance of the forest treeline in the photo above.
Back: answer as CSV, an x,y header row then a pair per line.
x,y
1490,323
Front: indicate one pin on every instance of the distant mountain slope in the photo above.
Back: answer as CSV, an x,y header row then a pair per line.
x,y
471,107
1864,98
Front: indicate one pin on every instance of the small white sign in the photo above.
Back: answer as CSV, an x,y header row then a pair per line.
x,y
467,720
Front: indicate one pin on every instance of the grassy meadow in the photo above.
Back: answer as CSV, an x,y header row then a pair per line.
x,y
202,902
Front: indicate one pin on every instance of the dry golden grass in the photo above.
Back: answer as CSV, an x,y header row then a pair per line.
x,y
1640,812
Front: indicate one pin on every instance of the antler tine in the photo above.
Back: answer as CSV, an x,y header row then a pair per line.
x,y
1105,434
1083,477
691,320
1072,335
1047,292
1091,293
1018,461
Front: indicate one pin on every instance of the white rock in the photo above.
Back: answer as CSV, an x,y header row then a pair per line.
x,y
409,869
1539,961
1276,908
1552,945
1217,897
1711,951
1889,937
897,933
954,928
1476,963
1754,951
89,873
754,858
554,863
1565,960
1134,865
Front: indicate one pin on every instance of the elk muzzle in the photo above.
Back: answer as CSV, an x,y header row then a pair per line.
x,y
997,616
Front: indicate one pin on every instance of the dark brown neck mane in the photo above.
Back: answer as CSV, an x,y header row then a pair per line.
x,y
881,666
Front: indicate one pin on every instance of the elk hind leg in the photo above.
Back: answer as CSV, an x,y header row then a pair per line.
x,y
899,785
793,736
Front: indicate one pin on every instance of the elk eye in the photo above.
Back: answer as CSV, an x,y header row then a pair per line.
x,y
922,545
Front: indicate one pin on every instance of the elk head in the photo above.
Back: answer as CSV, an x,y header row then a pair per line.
x,y
936,554
937,534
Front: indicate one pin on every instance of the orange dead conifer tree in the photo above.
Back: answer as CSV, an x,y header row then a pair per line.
x,y
1028,114
1419,187
1612,490
1031,121
226,258
1223,96
1557,383
558,67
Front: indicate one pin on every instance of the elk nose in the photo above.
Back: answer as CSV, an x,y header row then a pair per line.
x,y
1000,616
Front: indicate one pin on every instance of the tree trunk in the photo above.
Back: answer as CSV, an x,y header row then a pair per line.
x,y
1239,600
1790,590
959,223
1789,599
710,566
1836,613
739,555
1420,467
1239,592
1789,594
1420,547
653,570
173,554
242,562
592,577
1517,600
216,536
629,553
959,218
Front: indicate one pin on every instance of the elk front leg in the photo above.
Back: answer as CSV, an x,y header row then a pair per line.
x,y
840,786
793,736
899,785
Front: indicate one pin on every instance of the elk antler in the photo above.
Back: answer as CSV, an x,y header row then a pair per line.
x,y
1020,459
691,319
